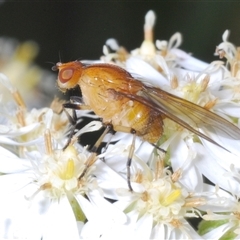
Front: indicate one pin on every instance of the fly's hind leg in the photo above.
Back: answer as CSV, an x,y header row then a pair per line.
x,y
129,161
131,151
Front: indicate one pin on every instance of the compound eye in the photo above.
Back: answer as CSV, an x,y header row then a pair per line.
x,y
65,75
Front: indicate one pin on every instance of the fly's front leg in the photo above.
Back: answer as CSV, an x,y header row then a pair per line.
x,y
75,103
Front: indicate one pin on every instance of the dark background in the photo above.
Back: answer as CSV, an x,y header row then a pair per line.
x,y
79,29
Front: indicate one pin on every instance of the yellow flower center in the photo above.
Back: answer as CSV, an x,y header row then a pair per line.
x,y
171,198
68,171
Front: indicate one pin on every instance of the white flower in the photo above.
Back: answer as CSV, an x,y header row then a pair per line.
x,y
160,202
21,127
213,86
47,189
226,49
226,216
17,63
39,181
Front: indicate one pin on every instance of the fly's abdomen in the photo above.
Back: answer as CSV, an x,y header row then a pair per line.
x,y
146,122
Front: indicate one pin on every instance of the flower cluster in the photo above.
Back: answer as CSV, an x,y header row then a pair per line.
x,y
53,188
16,62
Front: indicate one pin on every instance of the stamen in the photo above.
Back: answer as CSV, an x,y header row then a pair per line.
x,y
176,223
194,202
43,187
159,168
210,104
48,142
46,186
18,99
138,177
57,105
205,82
174,82
237,214
20,117
220,52
145,196
176,175
235,66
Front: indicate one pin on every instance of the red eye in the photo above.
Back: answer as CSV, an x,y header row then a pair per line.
x,y
65,74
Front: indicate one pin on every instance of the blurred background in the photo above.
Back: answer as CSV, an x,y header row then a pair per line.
x,y
78,29
70,30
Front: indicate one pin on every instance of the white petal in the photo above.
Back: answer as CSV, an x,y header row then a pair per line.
x,y
175,40
60,222
22,218
6,83
179,152
222,202
162,63
47,118
218,232
13,182
229,108
181,159
190,232
107,210
225,35
6,131
221,155
86,207
214,172
144,227
187,61
91,230
113,44
90,127
158,232
144,151
8,141
109,180
145,72
10,163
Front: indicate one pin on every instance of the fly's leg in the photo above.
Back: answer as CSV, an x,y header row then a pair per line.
x,y
129,161
92,158
75,103
104,149
157,147
131,151
73,120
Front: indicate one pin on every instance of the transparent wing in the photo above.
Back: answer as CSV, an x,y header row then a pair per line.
x,y
185,113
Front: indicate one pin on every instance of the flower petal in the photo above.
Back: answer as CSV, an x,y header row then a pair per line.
x,y
60,222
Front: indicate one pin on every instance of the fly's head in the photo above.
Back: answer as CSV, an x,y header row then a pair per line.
x,y
69,74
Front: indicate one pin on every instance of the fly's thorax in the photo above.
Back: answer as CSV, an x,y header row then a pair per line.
x,y
104,102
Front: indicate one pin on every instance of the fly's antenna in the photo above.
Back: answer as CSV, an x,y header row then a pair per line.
x,y
59,56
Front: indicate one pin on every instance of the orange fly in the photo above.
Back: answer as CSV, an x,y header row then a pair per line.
x,y
131,106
